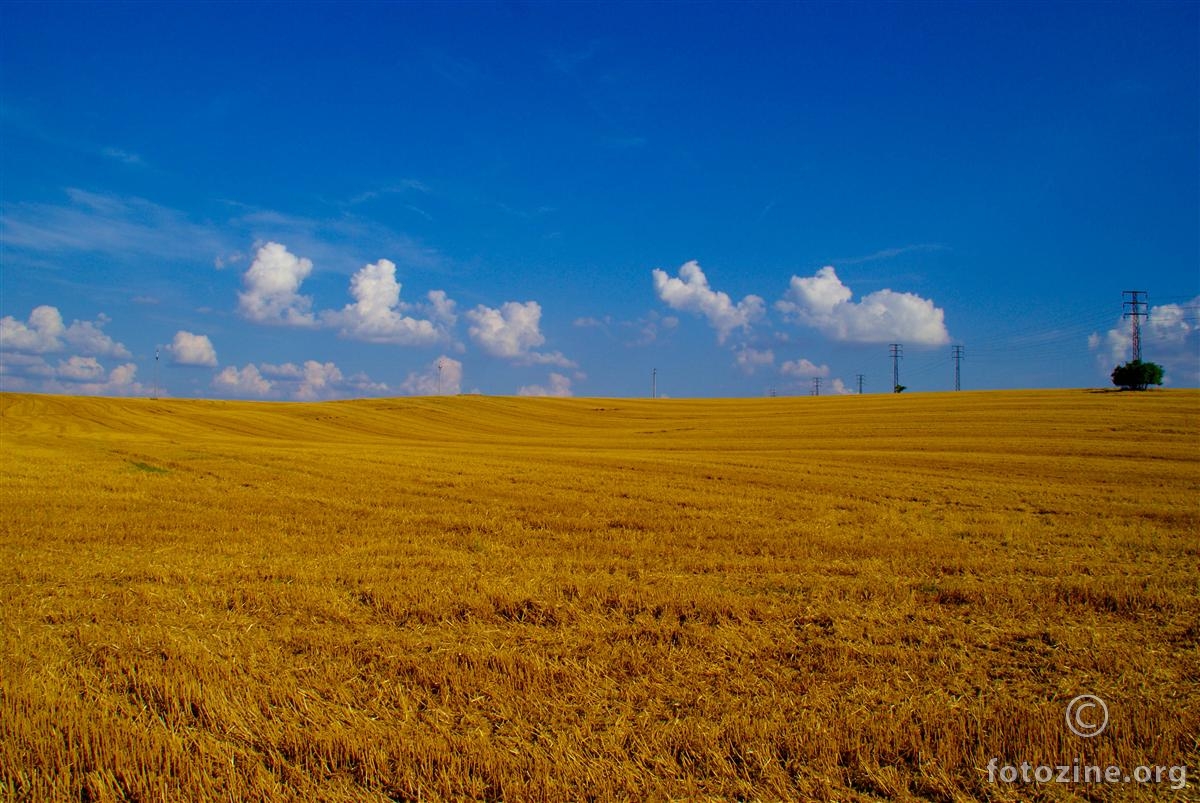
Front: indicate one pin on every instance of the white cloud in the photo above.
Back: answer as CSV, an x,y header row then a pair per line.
x,y
76,375
650,327
44,332
289,370
190,349
17,365
645,329
690,293
512,332
1170,336
86,336
80,369
824,303
590,322
840,388
41,333
124,157
376,315
442,308
309,381
318,381
751,359
121,382
124,228
222,261
244,382
272,293
429,383
558,385
803,369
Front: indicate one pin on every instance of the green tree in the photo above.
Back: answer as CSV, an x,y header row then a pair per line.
x,y
899,388
1137,375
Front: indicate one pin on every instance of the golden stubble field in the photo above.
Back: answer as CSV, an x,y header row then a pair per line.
x,y
852,598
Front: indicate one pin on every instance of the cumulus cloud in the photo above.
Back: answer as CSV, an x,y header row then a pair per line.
x,y
17,367
689,292
750,359
442,308
840,388
309,381
1170,336
512,332
431,382
80,369
824,303
121,381
44,331
272,293
318,381
558,385
76,375
247,381
191,349
803,369
377,314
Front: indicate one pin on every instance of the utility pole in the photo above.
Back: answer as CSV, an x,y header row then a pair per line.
x,y
155,396
897,352
440,376
958,355
654,383
816,391
860,381
1135,308
772,391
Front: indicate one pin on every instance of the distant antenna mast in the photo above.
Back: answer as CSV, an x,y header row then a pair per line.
x,y
654,383
816,391
897,352
155,396
958,355
1135,309
440,376
860,381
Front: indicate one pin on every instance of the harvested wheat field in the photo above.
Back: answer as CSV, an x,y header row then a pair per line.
x,y
834,598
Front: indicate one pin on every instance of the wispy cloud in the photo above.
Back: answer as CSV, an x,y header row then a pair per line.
x,y
404,187
891,253
23,121
126,228
125,157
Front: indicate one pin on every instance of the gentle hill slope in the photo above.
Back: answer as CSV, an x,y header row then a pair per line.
x,y
756,423
834,598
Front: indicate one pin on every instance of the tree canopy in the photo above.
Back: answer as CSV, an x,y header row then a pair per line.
x,y
1137,375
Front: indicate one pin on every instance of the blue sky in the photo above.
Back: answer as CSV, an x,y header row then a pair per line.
x,y
321,201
